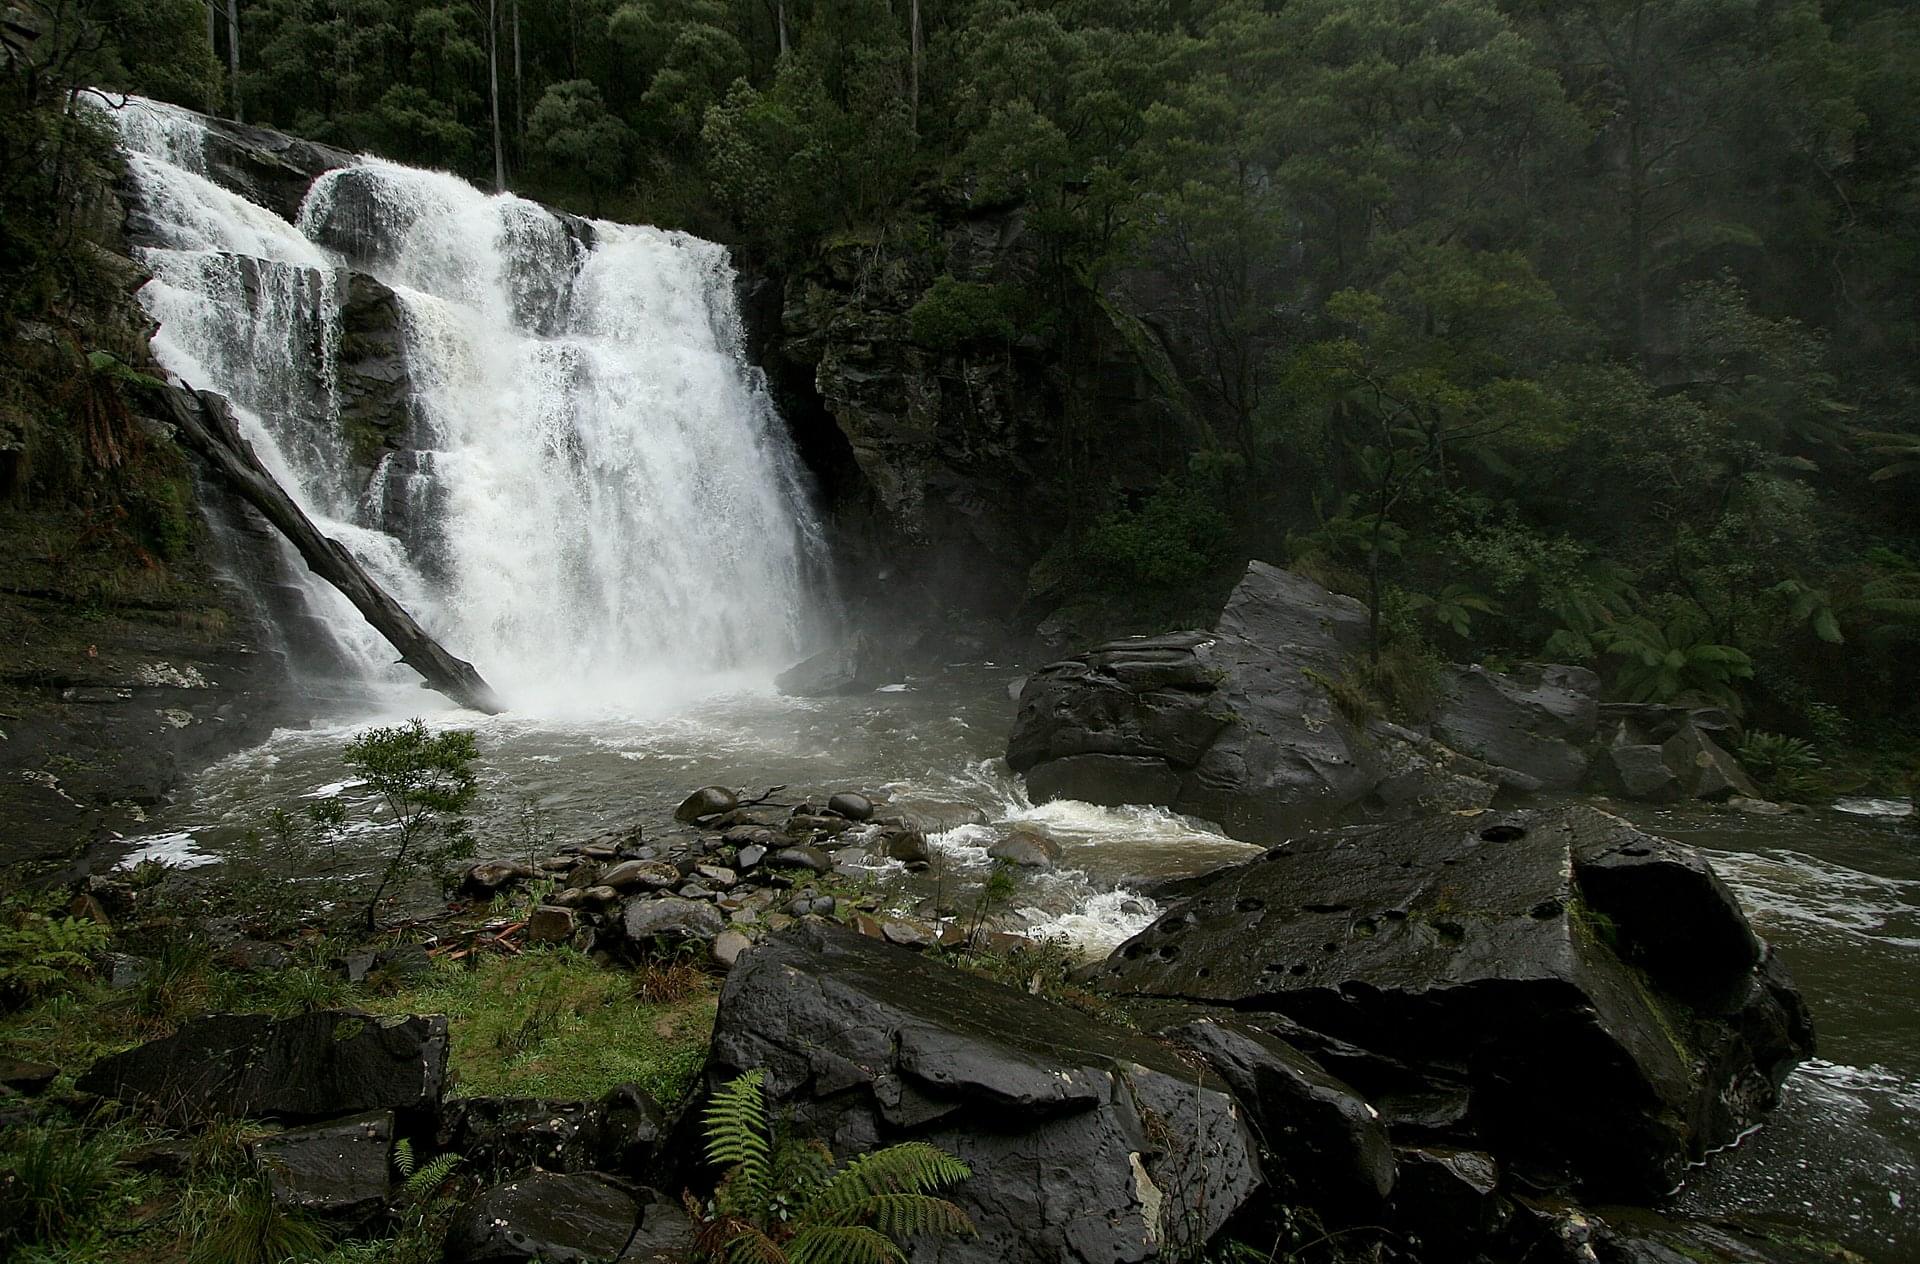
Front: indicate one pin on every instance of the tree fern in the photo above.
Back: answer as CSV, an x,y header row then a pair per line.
x,y
782,1202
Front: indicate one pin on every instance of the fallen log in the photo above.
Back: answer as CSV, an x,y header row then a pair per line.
x,y
205,425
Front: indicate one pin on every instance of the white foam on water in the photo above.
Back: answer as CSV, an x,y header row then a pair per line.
x,y
180,850
1885,809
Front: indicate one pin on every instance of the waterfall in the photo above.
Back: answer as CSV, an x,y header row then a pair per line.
x,y
591,496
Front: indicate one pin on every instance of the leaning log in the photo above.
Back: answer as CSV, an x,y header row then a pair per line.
x,y
205,424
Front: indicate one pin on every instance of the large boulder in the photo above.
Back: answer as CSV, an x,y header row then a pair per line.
x,y
313,1066
1240,725
1583,1000
1538,720
1087,1142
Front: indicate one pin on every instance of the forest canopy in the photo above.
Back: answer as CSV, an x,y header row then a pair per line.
x,y
1582,328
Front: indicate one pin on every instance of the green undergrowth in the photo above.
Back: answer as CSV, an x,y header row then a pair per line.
x,y
553,1024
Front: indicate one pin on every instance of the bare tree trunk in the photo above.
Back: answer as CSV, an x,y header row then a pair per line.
x,y
519,90
914,35
780,20
493,83
233,58
205,424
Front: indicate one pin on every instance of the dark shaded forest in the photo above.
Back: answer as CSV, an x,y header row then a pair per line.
x,y
1582,330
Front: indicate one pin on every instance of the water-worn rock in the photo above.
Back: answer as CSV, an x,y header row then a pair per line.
x,y
859,664
571,1218
855,807
811,859
909,846
339,1168
1083,1138
1538,720
706,801
1640,773
1029,846
1490,947
1238,725
318,1065
727,947
670,918
935,816
489,876
650,875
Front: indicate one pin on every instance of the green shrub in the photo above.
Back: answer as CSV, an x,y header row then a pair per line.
x,y
1785,767
954,313
1174,539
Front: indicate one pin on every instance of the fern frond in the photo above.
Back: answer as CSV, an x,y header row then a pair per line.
x,y
431,1177
403,1158
912,1167
750,1246
737,1138
842,1244
902,1215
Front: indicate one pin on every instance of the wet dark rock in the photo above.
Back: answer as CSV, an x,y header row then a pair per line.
x,y
670,918
706,801
1640,773
1538,720
1635,1235
1238,725
1564,965
750,856
811,859
497,1137
718,877
1079,1134
651,875
1450,1201
1321,1143
1028,846
1651,723
341,1168
28,1078
807,823
935,816
318,1065
490,876
569,1218
855,807
908,846
1704,769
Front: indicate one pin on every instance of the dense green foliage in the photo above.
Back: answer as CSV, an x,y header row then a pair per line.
x,y
782,1201
1582,329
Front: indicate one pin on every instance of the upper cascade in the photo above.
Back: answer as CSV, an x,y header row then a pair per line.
x,y
591,495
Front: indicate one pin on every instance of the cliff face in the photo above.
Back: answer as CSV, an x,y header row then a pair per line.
x,y
135,648
962,461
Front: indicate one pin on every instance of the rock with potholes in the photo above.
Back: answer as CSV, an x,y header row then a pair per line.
x,y
1084,1139
1238,725
1496,948
572,1218
313,1066
670,918
1538,720
340,1168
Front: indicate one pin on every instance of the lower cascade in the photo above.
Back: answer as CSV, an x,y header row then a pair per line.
x,y
541,435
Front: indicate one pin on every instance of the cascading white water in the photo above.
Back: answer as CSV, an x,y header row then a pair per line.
x,y
612,510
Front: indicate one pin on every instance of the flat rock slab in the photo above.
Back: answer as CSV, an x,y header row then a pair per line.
x,y
1087,1142
313,1066
338,1168
1597,990
573,1218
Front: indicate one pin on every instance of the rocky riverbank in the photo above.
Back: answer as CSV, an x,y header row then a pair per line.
x,y
1486,1035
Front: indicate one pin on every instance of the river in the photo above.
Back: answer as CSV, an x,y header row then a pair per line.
x,y
1839,894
